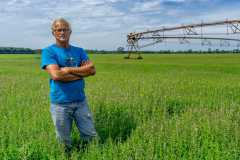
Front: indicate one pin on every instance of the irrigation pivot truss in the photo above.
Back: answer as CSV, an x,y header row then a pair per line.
x,y
226,32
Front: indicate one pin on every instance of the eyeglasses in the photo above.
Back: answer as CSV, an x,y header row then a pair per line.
x,y
62,30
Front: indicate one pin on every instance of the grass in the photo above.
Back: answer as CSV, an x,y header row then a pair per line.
x,y
161,107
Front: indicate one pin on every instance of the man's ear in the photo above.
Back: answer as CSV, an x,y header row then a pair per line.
x,y
52,33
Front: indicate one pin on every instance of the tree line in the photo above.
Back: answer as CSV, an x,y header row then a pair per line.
x,y
190,51
14,50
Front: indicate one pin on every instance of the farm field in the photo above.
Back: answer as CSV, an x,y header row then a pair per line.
x,y
166,107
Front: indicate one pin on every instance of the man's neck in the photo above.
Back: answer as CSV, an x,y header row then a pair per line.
x,y
62,45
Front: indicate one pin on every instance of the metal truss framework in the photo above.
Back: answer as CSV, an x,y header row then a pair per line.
x,y
187,33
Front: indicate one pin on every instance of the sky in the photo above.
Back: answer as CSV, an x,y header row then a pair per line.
x,y
103,24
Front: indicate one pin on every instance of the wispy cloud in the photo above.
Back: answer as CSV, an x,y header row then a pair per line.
x,y
146,6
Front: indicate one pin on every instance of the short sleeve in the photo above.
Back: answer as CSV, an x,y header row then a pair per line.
x,y
47,58
84,55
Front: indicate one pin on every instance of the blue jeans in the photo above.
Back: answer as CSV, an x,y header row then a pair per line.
x,y
64,114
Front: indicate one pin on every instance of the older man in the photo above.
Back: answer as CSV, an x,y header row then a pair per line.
x,y
67,65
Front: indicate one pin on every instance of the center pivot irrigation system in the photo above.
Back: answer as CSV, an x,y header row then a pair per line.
x,y
225,32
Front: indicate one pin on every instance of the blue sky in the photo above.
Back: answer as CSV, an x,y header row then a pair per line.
x,y
102,24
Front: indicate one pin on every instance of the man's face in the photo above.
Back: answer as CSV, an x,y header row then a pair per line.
x,y
62,32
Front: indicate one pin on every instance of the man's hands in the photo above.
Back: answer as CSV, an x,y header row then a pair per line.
x,y
86,69
69,70
60,74
66,74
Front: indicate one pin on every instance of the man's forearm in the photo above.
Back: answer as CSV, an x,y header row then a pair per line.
x,y
86,69
83,71
65,77
70,78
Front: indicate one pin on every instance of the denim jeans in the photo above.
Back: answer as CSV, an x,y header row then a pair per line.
x,y
64,114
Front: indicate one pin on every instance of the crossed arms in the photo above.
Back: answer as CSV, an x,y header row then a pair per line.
x,y
66,74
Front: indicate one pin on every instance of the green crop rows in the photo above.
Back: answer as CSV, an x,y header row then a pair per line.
x,y
162,107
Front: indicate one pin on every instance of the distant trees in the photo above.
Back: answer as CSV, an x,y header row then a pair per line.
x,y
12,50
120,49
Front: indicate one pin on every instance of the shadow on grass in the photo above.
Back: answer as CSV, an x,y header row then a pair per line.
x,y
176,107
114,123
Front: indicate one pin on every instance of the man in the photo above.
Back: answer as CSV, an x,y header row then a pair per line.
x,y
67,66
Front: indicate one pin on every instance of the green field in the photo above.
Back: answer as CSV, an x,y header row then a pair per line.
x,y
162,107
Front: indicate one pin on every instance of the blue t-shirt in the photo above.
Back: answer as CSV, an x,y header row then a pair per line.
x,y
64,92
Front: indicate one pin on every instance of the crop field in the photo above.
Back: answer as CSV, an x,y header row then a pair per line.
x,y
168,107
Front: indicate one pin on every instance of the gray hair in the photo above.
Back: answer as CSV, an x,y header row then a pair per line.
x,y
60,20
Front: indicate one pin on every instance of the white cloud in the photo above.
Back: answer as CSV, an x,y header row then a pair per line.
x,y
146,6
